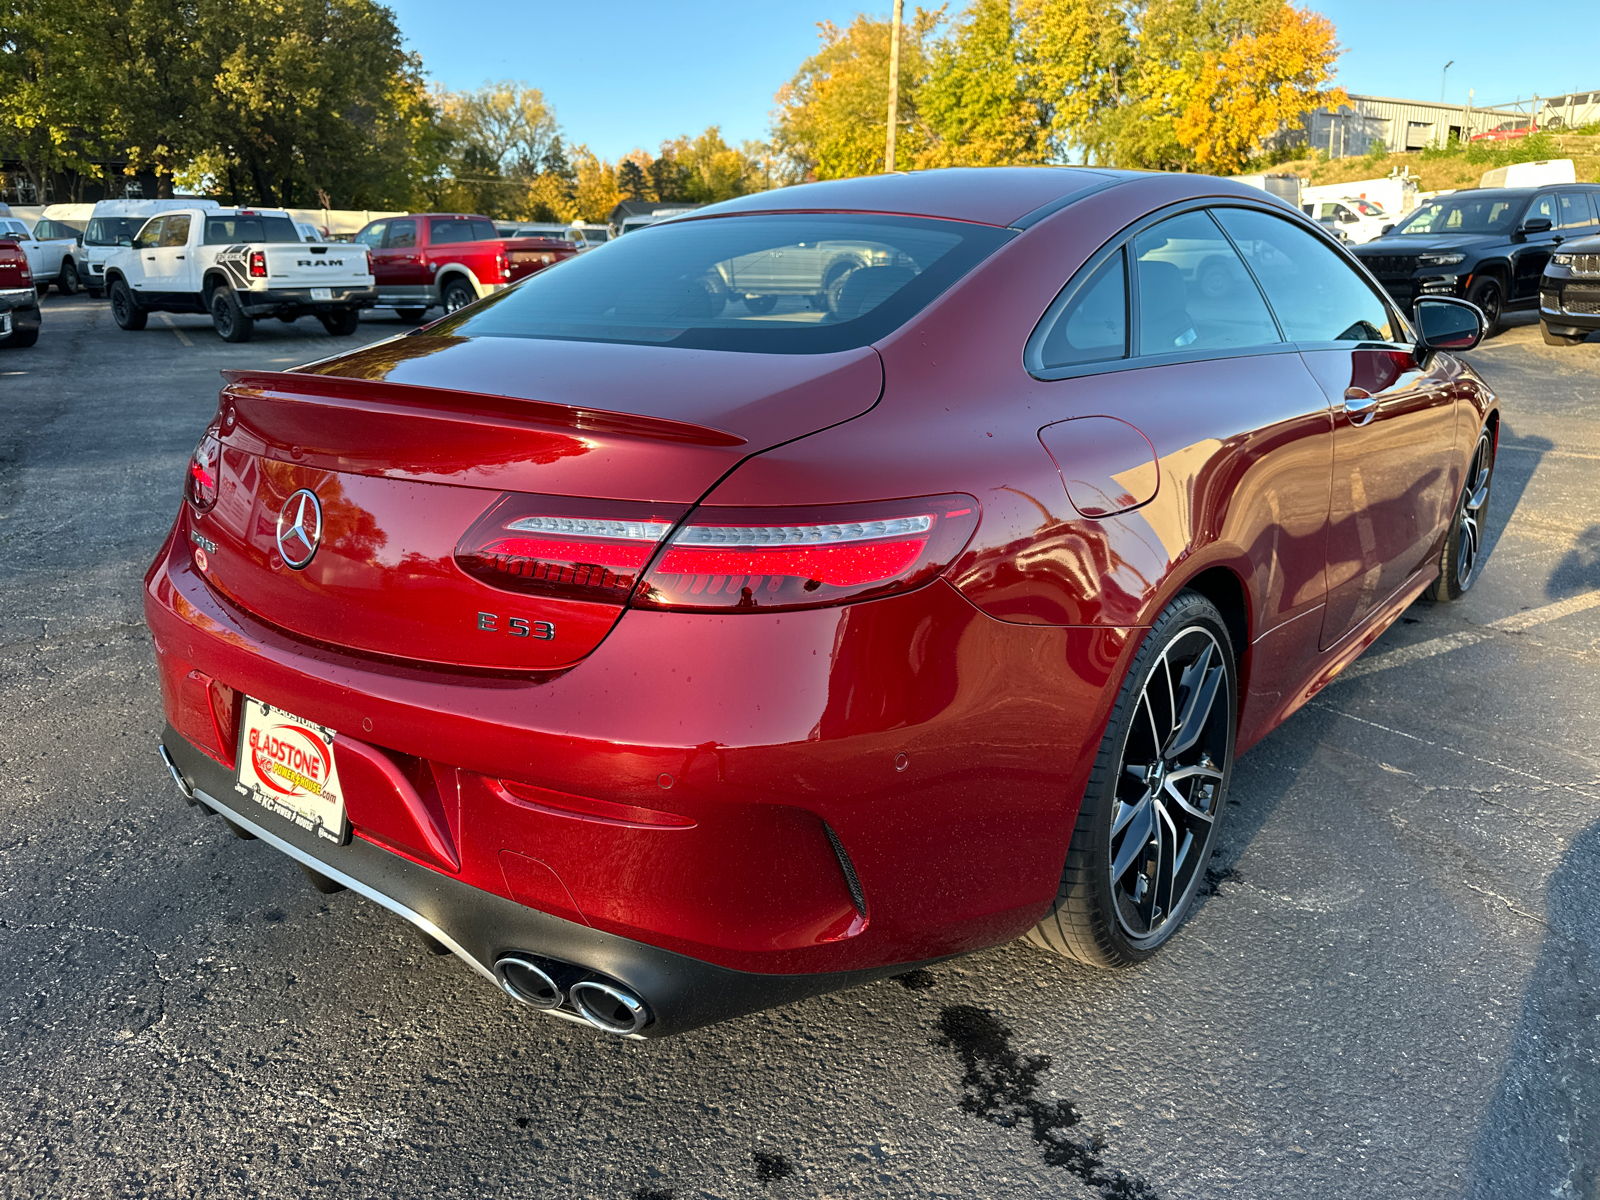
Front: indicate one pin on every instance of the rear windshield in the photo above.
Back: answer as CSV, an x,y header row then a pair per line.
x,y
223,231
448,231
1483,214
780,284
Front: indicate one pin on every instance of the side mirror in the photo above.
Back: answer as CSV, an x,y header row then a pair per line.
x,y
1385,230
1445,323
1348,218
125,241
1537,225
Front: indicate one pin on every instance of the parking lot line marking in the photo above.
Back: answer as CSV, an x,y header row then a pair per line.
x,y
166,319
1516,623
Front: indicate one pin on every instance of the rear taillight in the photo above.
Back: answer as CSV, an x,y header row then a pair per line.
x,y
258,264
204,465
769,558
557,546
503,265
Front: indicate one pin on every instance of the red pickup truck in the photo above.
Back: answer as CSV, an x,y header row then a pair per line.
x,y
425,260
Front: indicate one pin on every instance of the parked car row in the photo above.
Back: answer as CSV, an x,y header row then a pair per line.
x,y
241,265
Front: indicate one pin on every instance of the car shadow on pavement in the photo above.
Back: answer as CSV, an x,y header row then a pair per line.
x,y
1579,570
1541,1134
1516,461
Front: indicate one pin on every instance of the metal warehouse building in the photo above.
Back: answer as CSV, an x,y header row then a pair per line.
x,y
1398,124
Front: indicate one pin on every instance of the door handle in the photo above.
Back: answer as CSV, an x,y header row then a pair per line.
x,y
177,256
150,258
1359,405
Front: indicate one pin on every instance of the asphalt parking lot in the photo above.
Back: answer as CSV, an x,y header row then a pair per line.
x,y
1392,989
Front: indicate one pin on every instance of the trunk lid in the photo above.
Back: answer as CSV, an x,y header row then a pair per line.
x,y
403,460
306,264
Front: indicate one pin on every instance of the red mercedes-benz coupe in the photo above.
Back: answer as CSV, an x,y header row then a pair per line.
x,y
826,582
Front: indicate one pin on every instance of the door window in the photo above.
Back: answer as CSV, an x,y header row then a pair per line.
x,y
150,235
372,235
1194,292
1093,324
1574,210
176,231
402,235
1317,296
1543,206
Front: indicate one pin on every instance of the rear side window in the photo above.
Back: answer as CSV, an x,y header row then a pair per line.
x,y
1574,209
1194,292
223,231
1092,323
448,232
402,234
1317,296
800,283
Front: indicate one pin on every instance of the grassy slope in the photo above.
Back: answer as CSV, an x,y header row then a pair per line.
x,y
1436,172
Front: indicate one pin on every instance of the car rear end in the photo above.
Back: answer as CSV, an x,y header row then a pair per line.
x,y
19,298
273,272
524,256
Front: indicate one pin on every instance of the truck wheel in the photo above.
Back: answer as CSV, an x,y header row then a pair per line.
x,y
411,314
760,305
22,337
125,310
67,280
458,294
230,320
342,323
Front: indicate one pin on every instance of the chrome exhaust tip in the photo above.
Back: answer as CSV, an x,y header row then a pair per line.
x,y
526,980
608,1007
185,788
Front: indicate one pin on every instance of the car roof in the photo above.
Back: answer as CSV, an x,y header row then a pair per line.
x,y
987,195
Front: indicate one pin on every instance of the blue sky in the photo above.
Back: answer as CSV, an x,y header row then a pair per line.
x,y
628,73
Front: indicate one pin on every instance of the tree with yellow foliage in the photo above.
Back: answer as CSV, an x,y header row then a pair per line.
x,y
831,116
1261,82
975,103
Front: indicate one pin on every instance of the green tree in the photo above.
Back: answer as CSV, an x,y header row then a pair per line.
x,y
831,117
53,90
1076,55
975,101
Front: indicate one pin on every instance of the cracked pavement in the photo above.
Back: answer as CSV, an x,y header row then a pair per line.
x,y
1392,988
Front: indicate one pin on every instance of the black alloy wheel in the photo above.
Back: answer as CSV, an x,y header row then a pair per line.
x,y
232,323
1464,553
1149,819
457,295
1488,295
125,311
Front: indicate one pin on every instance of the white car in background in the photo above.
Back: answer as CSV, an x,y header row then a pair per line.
x,y
50,246
116,223
1353,219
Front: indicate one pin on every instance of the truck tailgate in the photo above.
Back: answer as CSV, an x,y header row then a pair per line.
x,y
306,264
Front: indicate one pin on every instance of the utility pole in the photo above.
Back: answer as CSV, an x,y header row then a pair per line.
x,y
1444,123
1443,75
894,84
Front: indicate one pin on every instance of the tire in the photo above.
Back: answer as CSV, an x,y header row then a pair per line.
x,y
231,321
1461,561
457,295
342,323
1182,683
411,314
22,338
1489,294
760,305
67,279
1560,339
288,318
125,310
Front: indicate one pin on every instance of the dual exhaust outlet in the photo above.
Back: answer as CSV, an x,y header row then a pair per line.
x,y
545,983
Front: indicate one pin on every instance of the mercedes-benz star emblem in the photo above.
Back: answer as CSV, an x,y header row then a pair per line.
x,y
300,529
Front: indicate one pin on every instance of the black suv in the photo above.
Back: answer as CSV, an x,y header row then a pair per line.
x,y
1569,297
1488,245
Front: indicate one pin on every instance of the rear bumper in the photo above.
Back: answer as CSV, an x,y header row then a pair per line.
x,y
479,927
934,753
20,307
272,301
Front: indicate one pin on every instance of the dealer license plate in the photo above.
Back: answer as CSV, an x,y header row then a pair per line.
x,y
286,765
322,293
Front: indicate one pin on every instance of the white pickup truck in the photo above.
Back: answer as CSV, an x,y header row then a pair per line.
x,y
238,265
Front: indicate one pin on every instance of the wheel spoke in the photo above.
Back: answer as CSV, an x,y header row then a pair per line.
x,y
1201,681
1166,866
1139,827
1185,803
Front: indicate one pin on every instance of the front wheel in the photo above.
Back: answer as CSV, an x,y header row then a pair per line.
x,y
1488,295
229,318
1463,555
1149,817
342,323
125,310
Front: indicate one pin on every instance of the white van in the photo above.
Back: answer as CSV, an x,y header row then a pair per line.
x,y
115,223
1531,174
